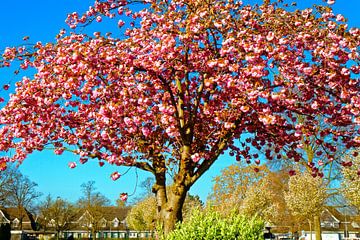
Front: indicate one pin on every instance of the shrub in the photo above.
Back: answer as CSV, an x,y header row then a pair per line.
x,y
210,225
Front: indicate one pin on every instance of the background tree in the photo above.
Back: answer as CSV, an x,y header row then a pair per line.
x,y
230,187
142,216
57,214
182,84
92,204
21,194
266,199
350,185
6,180
320,161
306,199
252,190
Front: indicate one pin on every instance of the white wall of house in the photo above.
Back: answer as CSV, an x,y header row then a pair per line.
x,y
332,236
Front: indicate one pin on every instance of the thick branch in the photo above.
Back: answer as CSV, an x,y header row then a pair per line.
x,y
221,145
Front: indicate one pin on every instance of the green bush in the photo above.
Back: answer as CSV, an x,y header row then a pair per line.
x,y
210,225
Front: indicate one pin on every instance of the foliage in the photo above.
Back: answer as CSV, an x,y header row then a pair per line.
x,y
142,216
306,196
351,179
183,82
210,225
230,187
252,192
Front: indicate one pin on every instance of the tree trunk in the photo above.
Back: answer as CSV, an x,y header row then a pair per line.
x,y
172,213
317,226
169,203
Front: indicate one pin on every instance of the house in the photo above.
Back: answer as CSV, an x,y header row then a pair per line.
x,y
336,224
21,221
105,222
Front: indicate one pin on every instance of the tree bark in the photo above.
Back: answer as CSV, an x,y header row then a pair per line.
x,y
170,200
317,226
171,212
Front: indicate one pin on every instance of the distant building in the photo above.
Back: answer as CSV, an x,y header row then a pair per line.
x,y
111,224
20,220
335,225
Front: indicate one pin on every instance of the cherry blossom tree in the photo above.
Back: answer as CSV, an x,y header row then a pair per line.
x,y
184,82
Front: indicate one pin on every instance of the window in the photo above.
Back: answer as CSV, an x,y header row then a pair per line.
x,y
115,222
103,223
16,222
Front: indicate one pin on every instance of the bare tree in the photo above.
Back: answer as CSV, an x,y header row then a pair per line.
x,y
20,192
92,202
6,180
57,214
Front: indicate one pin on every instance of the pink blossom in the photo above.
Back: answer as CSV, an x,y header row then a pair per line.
x,y
196,157
72,164
340,18
146,131
115,176
330,2
124,197
83,160
270,36
331,25
345,71
98,19
308,70
59,151
121,23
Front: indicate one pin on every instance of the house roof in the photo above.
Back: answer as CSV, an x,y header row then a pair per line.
x,y
331,220
112,217
3,218
110,213
17,213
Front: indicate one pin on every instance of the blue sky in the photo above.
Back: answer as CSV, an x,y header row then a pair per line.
x,y
42,20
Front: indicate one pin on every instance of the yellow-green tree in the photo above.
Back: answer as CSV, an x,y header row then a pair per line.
x,y
142,216
306,198
230,187
266,199
351,179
